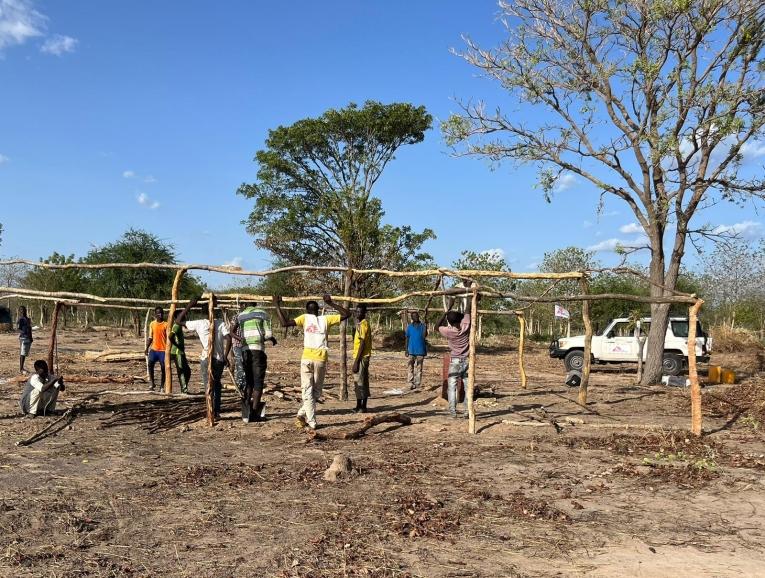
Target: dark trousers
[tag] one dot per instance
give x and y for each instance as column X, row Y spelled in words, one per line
column 255, row 364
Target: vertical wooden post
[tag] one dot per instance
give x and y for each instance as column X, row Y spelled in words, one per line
column 521, row 346
column 343, row 336
column 693, row 375
column 587, row 344
column 471, row 361
column 210, row 358
column 168, row 365
column 480, row 328
column 145, row 339
column 52, row 343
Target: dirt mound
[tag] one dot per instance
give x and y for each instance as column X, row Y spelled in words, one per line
column 742, row 400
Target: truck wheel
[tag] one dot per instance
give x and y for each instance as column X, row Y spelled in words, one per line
column 574, row 360
column 672, row 364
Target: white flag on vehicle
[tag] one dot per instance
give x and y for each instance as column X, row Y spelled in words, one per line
column 561, row 312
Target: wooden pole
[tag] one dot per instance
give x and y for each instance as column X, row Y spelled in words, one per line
column 210, row 357
column 521, row 347
column 693, row 375
column 145, row 339
column 52, row 342
column 471, row 361
column 343, row 336
column 171, row 315
column 584, row 384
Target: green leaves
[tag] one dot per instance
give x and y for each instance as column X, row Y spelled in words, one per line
column 313, row 197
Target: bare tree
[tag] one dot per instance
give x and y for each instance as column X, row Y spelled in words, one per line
column 651, row 101
column 732, row 274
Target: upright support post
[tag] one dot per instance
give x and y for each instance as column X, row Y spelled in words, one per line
column 693, row 375
column 343, row 336
column 471, row 361
column 145, row 339
column 521, row 346
column 210, row 358
column 52, row 343
column 170, row 319
column 587, row 344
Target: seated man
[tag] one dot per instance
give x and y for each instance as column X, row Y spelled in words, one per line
column 41, row 391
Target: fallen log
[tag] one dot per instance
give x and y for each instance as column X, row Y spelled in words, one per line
column 358, row 431
column 113, row 356
column 76, row 378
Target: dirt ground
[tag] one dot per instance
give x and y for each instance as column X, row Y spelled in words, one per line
column 614, row 489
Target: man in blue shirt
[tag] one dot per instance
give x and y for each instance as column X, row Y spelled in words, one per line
column 416, row 349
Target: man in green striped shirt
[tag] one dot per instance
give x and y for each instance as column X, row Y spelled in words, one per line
column 255, row 326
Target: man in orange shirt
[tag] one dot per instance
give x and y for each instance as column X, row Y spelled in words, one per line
column 156, row 341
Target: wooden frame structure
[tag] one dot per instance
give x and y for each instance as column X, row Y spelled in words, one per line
column 475, row 290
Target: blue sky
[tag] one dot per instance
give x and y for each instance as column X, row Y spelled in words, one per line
column 131, row 113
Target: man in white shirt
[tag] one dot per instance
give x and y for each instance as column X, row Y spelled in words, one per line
column 41, row 391
column 202, row 329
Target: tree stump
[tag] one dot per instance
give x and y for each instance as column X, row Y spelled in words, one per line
column 341, row 468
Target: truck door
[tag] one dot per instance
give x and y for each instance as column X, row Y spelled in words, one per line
column 619, row 343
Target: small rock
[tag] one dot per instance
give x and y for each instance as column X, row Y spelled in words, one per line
column 341, row 468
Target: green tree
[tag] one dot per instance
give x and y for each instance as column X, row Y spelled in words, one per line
column 72, row 280
column 136, row 246
column 313, row 197
column 652, row 102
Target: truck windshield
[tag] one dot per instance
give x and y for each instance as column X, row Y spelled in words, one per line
column 680, row 329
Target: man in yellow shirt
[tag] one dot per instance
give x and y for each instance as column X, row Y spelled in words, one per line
column 313, row 364
column 362, row 351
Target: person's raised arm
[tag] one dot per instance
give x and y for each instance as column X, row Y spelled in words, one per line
column 280, row 314
column 442, row 320
column 185, row 312
column 344, row 313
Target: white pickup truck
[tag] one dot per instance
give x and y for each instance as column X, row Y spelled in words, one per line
column 617, row 344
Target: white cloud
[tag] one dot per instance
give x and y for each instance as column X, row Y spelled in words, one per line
column 145, row 201
column 494, row 253
column 4, row 159
column 613, row 244
column 745, row 229
column 630, row 228
column 235, row 262
column 564, row 182
column 753, row 149
column 610, row 214
column 59, row 44
column 19, row 22
column 149, row 179
column 532, row 266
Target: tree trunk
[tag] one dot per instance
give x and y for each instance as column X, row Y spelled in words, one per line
column 663, row 283
column 652, row 371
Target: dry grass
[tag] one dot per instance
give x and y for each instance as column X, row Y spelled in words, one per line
column 727, row 340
